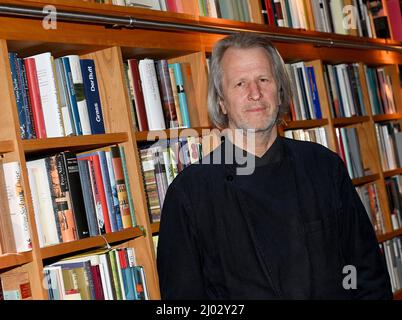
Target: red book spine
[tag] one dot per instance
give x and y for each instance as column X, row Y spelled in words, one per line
column 270, row 13
column 94, row 160
column 138, row 95
column 34, row 95
column 171, row 5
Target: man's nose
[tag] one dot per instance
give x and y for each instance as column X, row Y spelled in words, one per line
column 254, row 92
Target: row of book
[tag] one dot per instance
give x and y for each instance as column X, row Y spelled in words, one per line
column 161, row 162
column 180, row 6
column 389, row 137
column 305, row 101
column 368, row 194
column 394, row 193
column 158, row 93
column 80, row 195
column 350, row 152
column 317, row 135
column 56, row 97
column 379, row 85
column 239, row 10
column 344, row 90
column 15, row 286
column 104, row 274
column 392, row 250
column 350, row 17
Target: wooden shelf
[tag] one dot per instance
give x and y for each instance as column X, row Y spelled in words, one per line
column 6, row 146
column 90, row 243
column 305, row 124
column 9, row 260
column 155, row 227
column 366, row 179
column 391, row 173
column 74, row 143
column 143, row 136
column 387, row 117
column 389, row 236
column 341, row 122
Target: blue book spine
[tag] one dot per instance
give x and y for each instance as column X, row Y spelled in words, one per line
column 108, row 190
column 71, row 95
column 23, row 84
column 91, row 91
column 181, row 94
column 22, row 117
column 314, row 92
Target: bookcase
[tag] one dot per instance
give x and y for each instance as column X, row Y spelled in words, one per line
column 110, row 46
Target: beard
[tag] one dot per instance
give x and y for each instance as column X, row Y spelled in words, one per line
column 267, row 125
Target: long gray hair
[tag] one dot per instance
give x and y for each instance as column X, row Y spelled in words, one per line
column 245, row 40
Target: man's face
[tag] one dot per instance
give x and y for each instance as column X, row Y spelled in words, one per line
column 250, row 95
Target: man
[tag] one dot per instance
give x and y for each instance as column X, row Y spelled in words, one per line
column 293, row 228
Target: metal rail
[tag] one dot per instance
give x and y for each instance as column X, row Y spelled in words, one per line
column 132, row 22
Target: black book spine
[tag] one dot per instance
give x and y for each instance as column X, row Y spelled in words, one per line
column 70, row 166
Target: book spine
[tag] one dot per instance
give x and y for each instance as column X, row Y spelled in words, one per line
column 17, row 206
column 48, row 95
column 89, row 203
column 138, row 95
column 92, row 96
column 12, row 57
column 121, row 187
column 67, row 162
column 181, row 94
column 165, row 89
column 152, row 98
column 36, row 103
column 128, row 186
column 116, row 204
column 76, row 76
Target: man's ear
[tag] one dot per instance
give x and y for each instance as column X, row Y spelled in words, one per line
column 222, row 106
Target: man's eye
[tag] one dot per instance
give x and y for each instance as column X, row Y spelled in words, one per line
column 239, row 84
column 264, row 80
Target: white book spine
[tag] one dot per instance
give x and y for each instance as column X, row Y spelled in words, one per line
column 76, row 75
column 48, row 94
column 152, row 97
column 16, row 203
column 37, row 168
column 35, row 203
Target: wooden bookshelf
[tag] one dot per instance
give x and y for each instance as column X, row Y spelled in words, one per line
column 389, row 236
column 387, row 117
column 305, row 124
column 393, row 172
column 74, row 143
column 110, row 48
column 6, row 146
column 366, row 179
column 9, row 260
column 342, row 122
column 90, row 243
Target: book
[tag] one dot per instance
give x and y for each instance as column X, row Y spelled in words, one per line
column 17, row 206
column 7, row 243
column 91, row 90
column 181, row 94
column 16, row 286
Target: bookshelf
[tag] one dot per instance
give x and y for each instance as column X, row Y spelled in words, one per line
column 110, row 47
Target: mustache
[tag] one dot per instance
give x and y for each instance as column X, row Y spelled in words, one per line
column 256, row 105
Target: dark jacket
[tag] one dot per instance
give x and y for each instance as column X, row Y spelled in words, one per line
column 285, row 232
